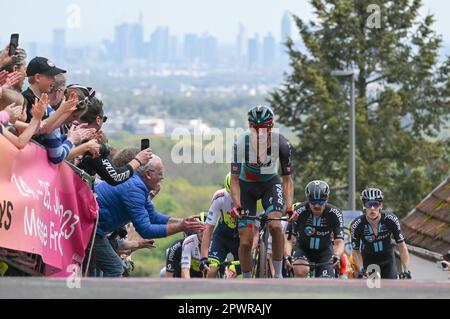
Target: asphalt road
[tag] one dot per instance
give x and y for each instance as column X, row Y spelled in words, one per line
column 220, row 289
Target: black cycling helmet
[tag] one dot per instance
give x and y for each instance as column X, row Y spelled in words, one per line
column 372, row 193
column 317, row 190
column 261, row 115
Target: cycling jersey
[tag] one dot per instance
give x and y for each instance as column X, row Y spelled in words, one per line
column 251, row 169
column 377, row 249
column 190, row 255
column 219, row 212
column 315, row 235
column 224, row 239
column 173, row 260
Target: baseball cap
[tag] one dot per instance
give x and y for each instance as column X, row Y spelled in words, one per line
column 42, row 66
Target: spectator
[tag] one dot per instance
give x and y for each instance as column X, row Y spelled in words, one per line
column 59, row 145
column 125, row 156
column 103, row 165
column 41, row 74
column 130, row 201
column 56, row 94
column 21, row 141
column 12, row 103
column 16, row 69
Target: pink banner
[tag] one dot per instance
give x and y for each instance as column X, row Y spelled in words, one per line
column 45, row 209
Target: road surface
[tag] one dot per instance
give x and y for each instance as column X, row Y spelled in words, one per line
column 220, row 289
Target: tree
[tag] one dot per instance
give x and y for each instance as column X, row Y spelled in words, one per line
column 402, row 100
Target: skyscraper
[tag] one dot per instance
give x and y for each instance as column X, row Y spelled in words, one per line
column 285, row 35
column 191, row 48
column 58, row 47
column 241, row 46
column 160, row 45
column 254, row 52
column 285, row 27
column 208, row 50
column 269, row 49
column 128, row 41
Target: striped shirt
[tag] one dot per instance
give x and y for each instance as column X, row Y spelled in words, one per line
column 57, row 145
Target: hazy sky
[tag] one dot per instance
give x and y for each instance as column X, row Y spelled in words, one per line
column 35, row 19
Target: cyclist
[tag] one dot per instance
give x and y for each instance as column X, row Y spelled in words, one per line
column 179, row 249
column 320, row 233
column 224, row 237
column 254, row 176
column 371, row 237
column 190, row 254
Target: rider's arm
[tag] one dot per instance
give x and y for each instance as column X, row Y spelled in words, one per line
column 338, row 233
column 288, row 189
column 211, row 220
column 286, row 170
column 356, row 235
column 235, row 190
column 404, row 255
column 394, row 225
column 236, row 163
column 186, row 256
column 206, row 240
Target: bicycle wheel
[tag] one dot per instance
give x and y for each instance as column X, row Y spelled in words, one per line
column 262, row 260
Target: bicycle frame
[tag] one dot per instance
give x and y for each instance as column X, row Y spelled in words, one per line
column 260, row 260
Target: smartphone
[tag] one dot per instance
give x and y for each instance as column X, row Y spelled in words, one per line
column 145, row 143
column 13, row 44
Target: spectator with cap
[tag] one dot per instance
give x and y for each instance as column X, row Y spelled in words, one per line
column 41, row 74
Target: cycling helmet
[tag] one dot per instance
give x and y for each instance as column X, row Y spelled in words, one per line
column 372, row 193
column 317, row 190
column 295, row 205
column 227, row 183
column 261, row 116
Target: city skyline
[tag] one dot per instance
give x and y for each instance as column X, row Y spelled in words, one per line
column 220, row 19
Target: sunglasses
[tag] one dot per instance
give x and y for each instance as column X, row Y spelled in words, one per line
column 373, row 203
column 104, row 118
column 320, row 201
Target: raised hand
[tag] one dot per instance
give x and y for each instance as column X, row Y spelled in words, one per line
column 39, row 106
column 12, row 79
column 3, row 77
column 69, row 105
column 144, row 156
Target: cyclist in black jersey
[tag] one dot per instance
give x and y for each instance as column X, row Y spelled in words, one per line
column 320, row 233
column 371, row 238
column 254, row 175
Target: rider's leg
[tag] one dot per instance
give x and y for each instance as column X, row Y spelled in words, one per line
column 277, row 243
column 217, row 253
column 301, row 271
column 245, row 251
column 299, row 258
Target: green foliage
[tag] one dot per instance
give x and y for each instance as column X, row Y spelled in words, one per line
column 402, row 100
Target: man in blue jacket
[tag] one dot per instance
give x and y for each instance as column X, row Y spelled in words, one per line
column 130, row 202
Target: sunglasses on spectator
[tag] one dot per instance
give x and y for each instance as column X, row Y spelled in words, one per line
column 104, row 118
column 319, row 201
column 372, row 203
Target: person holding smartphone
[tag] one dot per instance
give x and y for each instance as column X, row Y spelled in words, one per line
column 96, row 158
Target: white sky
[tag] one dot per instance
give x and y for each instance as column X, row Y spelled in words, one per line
column 35, row 19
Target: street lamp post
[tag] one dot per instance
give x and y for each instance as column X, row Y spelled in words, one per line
column 352, row 161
